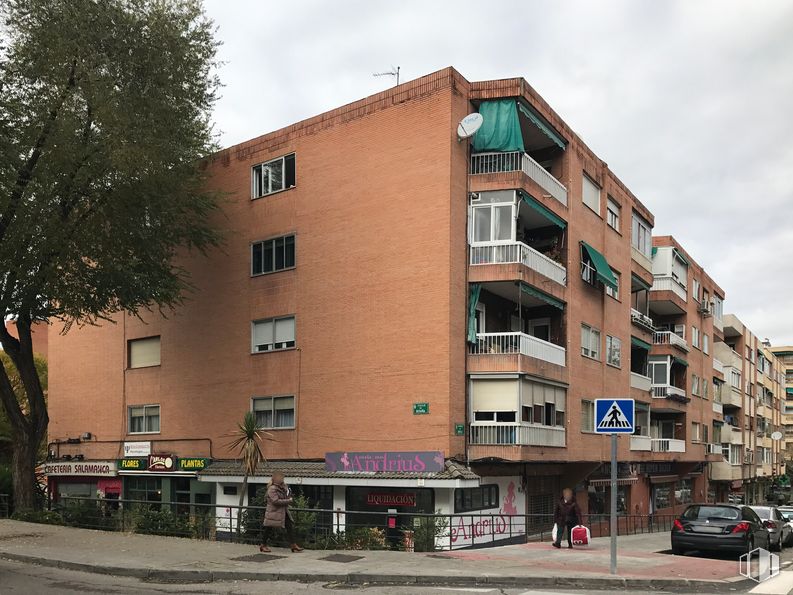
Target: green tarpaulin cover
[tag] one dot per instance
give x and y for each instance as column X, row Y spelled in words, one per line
column 639, row 343
column 602, row 268
column 500, row 129
column 473, row 299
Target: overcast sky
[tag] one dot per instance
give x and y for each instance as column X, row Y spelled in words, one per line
column 689, row 102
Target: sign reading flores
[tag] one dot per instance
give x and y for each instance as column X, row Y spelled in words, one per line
column 614, row 416
column 384, row 462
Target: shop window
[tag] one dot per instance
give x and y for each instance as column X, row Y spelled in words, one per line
column 600, row 499
column 480, row 498
column 683, row 492
column 662, row 496
column 144, row 489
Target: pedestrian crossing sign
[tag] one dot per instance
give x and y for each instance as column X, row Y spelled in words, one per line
column 614, row 416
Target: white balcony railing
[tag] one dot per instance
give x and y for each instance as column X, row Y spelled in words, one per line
column 718, row 366
column 517, row 434
column 668, row 445
column 718, row 407
column 518, row 252
column 713, row 449
column 669, row 338
column 512, row 343
column 667, row 391
column 641, row 382
column 492, row 163
column 641, row 443
column 669, row 284
column 642, row 320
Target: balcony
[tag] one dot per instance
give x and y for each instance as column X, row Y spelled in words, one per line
column 494, row 163
column 643, row 443
column 670, row 284
column 517, row 435
column 713, row 449
column 725, row 471
column 667, row 391
column 667, row 445
column 736, row 436
column 731, row 397
column 718, row 407
column 670, row 338
column 641, row 382
column 518, row 343
column 642, row 320
column 718, row 366
column 519, row 253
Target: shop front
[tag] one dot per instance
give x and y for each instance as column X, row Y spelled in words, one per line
column 86, row 479
column 160, row 478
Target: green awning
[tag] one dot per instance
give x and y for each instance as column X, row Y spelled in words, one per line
column 602, row 267
column 542, row 210
column 473, row 299
column 682, row 362
column 681, row 257
column 782, row 353
column 640, row 344
column 548, row 299
column 540, row 123
column 654, row 251
column 789, row 390
column 640, row 281
column 500, row 130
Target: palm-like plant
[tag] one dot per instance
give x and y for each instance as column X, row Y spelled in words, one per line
column 247, row 441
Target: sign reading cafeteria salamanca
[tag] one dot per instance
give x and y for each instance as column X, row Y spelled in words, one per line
column 92, row 468
column 430, row 461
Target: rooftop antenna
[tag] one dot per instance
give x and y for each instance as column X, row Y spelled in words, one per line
column 393, row 72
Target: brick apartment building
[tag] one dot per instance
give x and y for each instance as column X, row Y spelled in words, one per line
column 784, row 355
column 388, row 288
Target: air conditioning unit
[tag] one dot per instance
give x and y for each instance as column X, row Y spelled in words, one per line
column 705, row 308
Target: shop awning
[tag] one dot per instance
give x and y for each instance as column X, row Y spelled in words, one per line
column 548, row 299
column 677, row 360
column 680, row 257
column 601, row 265
column 621, row 481
column 640, row 344
column 542, row 210
column 789, row 390
column 500, row 130
column 641, row 282
column 540, row 123
column 473, row 300
column 662, row 478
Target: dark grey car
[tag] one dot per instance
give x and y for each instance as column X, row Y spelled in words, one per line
column 776, row 525
column 719, row 527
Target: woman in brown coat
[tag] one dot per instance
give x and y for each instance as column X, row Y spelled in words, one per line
column 276, row 515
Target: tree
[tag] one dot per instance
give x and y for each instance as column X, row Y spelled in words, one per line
column 104, row 120
column 6, row 431
column 247, row 442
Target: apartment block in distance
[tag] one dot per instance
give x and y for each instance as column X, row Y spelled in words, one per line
column 784, row 355
column 422, row 323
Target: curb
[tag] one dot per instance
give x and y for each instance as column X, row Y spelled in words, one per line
column 361, row 578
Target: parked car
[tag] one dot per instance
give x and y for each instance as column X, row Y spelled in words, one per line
column 777, row 525
column 719, row 527
column 787, row 512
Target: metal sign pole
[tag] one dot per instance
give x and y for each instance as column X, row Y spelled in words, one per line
column 613, row 531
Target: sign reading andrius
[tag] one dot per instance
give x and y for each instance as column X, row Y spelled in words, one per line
column 614, row 416
column 422, row 461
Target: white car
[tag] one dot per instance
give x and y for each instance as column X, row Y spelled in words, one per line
column 787, row 512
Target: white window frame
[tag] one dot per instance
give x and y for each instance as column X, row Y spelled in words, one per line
column 140, row 341
column 266, row 165
column 641, row 234
column 492, row 206
column 705, row 344
column 695, row 290
column 695, row 336
column 585, row 179
column 614, row 293
column 273, row 345
column 587, row 416
column 273, row 410
column 611, row 343
column 145, row 418
column 613, row 213
column 590, row 334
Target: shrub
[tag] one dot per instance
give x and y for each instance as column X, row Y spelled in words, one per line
column 251, row 518
column 426, row 531
column 46, row 517
column 89, row 514
column 304, row 521
column 150, row 520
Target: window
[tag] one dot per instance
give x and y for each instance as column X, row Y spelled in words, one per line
column 695, row 384
column 613, row 351
column 142, row 353
column 683, row 492
column 615, row 293
column 145, row 489
column 493, row 223
column 613, row 214
column 590, row 342
column 587, row 416
column 641, row 235
column 273, row 176
column 705, row 344
column 735, row 378
column 695, row 336
column 695, row 432
column 273, row 255
column 273, row 334
column 718, row 307
column 591, row 194
column 479, row 498
column 497, row 416
column 274, row 412
column 704, row 388
column 695, row 287
column 144, row 419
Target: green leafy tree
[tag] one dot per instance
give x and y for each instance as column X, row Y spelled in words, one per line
column 104, row 120
column 247, row 441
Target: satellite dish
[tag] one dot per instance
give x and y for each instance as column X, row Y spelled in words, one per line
column 776, row 436
column 469, row 125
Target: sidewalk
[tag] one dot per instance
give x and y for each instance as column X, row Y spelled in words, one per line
column 534, row 565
